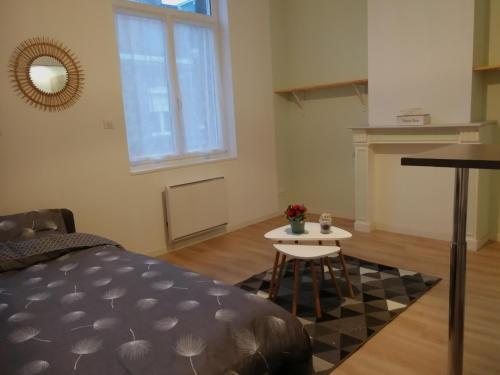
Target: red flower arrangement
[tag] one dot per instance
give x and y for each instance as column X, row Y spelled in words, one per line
column 296, row 212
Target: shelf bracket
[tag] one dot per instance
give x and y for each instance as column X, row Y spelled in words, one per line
column 297, row 99
column 359, row 94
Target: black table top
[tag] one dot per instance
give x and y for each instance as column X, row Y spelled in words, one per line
column 458, row 156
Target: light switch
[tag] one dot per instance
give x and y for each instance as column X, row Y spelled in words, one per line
column 108, row 124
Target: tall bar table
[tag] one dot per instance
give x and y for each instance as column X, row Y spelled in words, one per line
column 462, row 158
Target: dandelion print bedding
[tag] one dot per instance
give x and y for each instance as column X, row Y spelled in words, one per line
column 99, row 309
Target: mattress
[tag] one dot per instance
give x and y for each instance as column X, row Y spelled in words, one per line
column 84, row 305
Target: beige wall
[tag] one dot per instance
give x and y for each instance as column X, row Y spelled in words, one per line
column 68, row 160
column 283, row 137
column 493, row 105
column 326, row 41
column 494, row 35
column 318, row 42
column 480, row 57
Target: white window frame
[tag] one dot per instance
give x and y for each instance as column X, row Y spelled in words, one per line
column 169, row 16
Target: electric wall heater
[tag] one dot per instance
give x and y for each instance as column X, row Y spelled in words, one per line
column 196, row 207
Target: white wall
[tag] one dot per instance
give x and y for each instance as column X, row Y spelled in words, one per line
column 420, row 55
column 67, row 159
column 412, row 200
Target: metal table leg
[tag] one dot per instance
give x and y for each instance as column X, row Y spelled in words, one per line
column 457, row 274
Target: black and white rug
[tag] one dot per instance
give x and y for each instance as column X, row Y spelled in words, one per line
column 381, row 294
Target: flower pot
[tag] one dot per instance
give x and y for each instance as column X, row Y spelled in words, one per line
column 298, row 227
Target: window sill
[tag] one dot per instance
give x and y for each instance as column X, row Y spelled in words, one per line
column 158, row 166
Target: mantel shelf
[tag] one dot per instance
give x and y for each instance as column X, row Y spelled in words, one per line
column 487, row 68
column 478, row 132
column 294, row 91
column 471, row 125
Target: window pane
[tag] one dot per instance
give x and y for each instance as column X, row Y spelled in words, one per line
column 197, row 73
column 191, row 6
column 144, row 71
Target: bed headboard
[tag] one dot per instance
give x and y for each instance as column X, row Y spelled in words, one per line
column 36, row 223
column 69, row 220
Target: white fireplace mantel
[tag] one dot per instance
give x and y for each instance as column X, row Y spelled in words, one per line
column 478, row 132
column 366, row 137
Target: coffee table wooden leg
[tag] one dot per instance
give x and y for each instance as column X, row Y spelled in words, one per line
column 315, row 289
column 280, row 276
column 346, row 275
column 332, row 275
column 296, row 286
column 322, row 265
column 273, row 277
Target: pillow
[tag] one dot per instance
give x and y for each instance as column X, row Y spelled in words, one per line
column 16, row 255
column 31, row 225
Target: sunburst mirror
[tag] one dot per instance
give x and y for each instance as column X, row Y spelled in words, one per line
column 46, row 74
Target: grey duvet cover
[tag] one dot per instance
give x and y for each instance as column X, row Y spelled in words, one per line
column 99, row 309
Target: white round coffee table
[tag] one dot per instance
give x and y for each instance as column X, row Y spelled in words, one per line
column 310, row 253
column 312, row 233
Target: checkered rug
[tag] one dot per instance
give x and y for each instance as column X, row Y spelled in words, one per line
column 381, row 294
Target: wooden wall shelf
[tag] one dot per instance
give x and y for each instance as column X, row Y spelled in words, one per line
column 321, row 86
column 486, row 68
column 294, row 91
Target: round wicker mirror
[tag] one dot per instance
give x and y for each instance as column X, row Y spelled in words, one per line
column 46, row 74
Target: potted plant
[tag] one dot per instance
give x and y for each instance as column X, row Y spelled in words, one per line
column 296, row 215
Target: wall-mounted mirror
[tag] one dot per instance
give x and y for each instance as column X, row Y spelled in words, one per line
column 46, row 74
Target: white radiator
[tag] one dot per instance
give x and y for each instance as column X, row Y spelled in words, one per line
column 196, row 207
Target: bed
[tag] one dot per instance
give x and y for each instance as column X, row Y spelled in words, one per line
column 78, row 303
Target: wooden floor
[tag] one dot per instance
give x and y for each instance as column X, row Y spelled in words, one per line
column 416, row 341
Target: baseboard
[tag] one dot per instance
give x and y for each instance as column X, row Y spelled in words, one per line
column 156, row 253
column 413, row 232
column 243, row 224
column 363, row 226
column 497, row 238
column 207, row 236
column 475, row 244
column 335, row 213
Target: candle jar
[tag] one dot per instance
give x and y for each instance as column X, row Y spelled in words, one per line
column 325, row 222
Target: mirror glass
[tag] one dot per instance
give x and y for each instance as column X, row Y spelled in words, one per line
column 48, row 74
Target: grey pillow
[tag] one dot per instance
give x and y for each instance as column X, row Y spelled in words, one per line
column 12, row 259
column 31, row 224
column 15, row 255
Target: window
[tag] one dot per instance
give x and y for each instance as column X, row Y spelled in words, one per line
column 171, row 83
column 192, row 6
